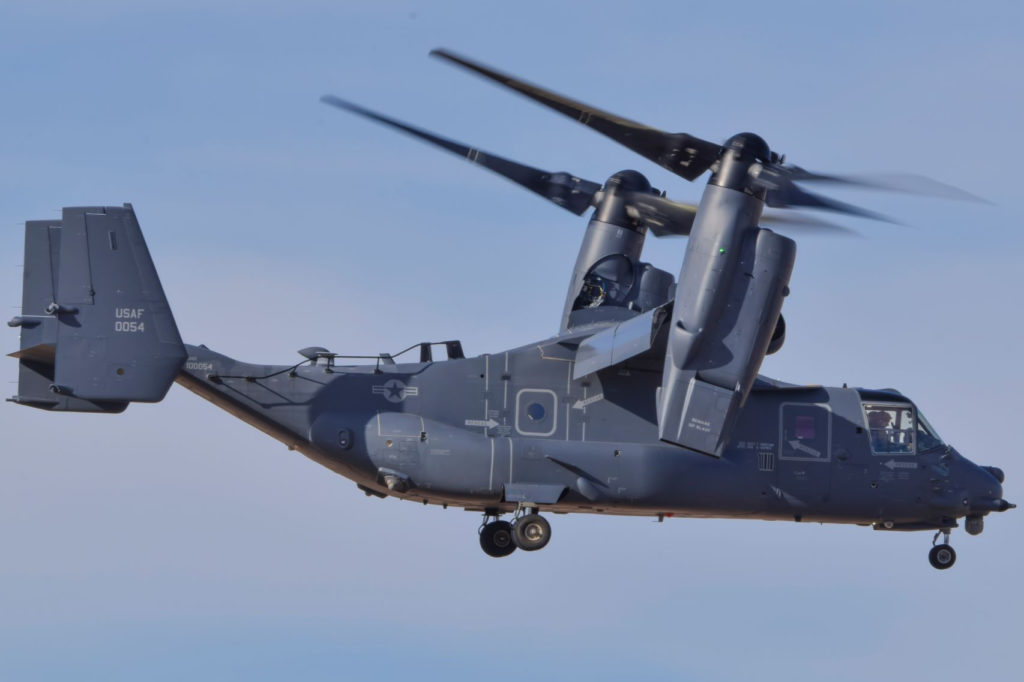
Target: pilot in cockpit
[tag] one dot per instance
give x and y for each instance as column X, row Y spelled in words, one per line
column 881, row 434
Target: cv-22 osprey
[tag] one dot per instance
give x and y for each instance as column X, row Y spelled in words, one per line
column 647, row 401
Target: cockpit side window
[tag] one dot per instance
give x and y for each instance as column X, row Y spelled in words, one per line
column 892, row 428
column 927, row 436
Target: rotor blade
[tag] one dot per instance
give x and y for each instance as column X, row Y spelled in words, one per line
column 571, row 193
column 680, row 153
column 667, row 218
column 663, row 217
column 905, row 183
column 788, row 195
column 811, row 224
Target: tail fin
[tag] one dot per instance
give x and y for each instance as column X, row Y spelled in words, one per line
column 96, row 329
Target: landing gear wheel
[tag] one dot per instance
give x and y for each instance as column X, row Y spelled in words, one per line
column 942, row 556
column 531, row 532
column 496, row 539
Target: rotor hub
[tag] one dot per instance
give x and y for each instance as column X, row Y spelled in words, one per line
column 749, row 147
column 628, row 180
column 739, row 153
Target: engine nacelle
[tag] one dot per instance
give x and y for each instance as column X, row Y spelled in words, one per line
column 726, row 314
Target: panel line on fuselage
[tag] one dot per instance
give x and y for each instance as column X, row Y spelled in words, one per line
column 568, row 392
column 490, row 484
column 583, row 419
column 506, row 379
column 487, row 385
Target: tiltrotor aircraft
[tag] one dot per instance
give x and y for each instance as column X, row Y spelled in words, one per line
column 647, row 401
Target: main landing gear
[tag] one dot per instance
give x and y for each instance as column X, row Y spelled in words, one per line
column 496, row 538
column 529, row 531
column 942, row 556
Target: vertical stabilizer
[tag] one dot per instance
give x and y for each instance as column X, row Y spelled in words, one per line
column 96, row 329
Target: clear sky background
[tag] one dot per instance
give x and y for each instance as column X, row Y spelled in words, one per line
column 174, row 542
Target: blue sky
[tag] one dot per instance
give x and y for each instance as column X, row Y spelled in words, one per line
column 174, row 541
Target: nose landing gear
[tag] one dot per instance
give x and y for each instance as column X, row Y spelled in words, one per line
column 528, row 532
column 942, row 556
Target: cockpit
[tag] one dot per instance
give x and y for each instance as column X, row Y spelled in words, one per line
column 896, row 428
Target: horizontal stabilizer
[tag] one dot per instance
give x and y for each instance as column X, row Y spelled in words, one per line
column 96, row 329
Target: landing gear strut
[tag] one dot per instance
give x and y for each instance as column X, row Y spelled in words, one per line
column 941, row 556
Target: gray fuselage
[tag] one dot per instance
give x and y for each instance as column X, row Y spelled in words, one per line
column 496, row 431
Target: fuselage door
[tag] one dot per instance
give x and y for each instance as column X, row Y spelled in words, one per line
column 805, row 454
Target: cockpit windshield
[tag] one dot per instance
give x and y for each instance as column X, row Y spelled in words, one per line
column 896, row 429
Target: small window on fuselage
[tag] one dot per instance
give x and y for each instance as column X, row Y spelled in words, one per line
column 805, row 432
column 892, row 428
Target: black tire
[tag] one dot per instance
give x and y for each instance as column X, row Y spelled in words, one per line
column 531, row 532
column 496, row 539
column 942, row 557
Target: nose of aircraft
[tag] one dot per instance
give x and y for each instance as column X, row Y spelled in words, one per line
column 985, row 491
